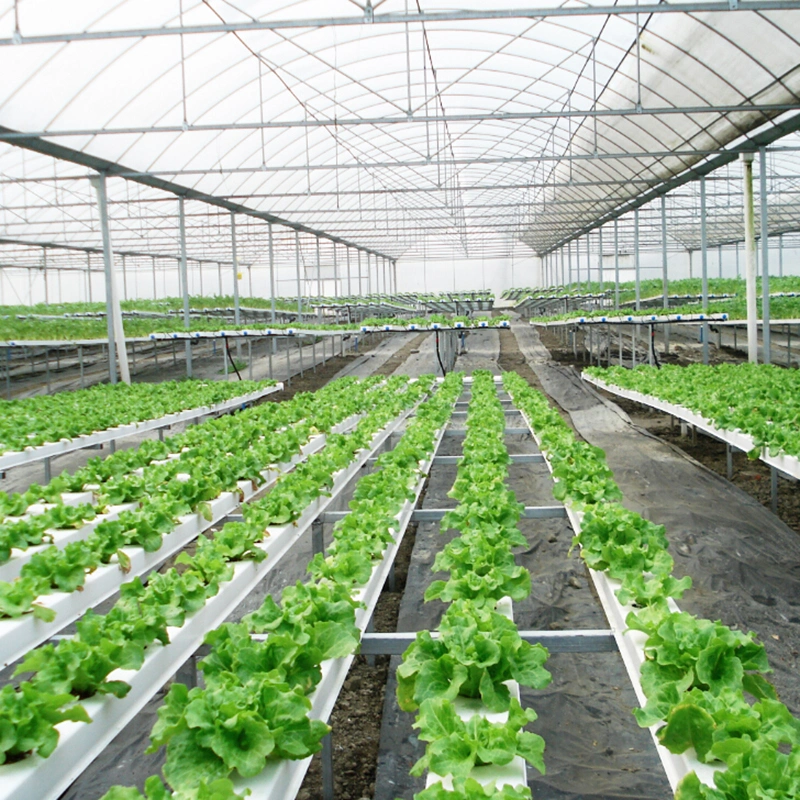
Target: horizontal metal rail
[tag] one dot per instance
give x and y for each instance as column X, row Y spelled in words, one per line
column 436, row 514
column 571, row 641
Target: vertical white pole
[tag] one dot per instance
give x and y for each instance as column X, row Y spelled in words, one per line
column 297, row 267
column 704, row 262
column 664, row 276
column 236, row 315
column 636, row 260
column 750, row 260
column 600, row 259
column 616, row 267
column 335, row 272
column 765, row 331
column 116, row 334
column 184, row 280
column 271, row 272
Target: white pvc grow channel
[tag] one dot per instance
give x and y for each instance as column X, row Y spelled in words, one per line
column 631, row 648
column 50, row 450
column 789, row 465
column 281, row 780
column 47, row 778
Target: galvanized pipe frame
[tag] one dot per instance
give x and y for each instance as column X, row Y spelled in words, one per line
column 402, row 18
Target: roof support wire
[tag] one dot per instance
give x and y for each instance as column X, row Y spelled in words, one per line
column 183, row 70
column 261, row 110
column 427, row 114
column 594, row 92
column 408, row 67
column 638, row 63
column 16, row 37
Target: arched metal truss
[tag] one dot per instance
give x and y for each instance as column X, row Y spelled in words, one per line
column 402, row 128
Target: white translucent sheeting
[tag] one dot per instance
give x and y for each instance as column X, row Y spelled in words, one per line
column 443, row 139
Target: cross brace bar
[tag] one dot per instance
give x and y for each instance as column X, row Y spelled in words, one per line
column 572, row 641
column 461, row 432
column 434, row 514
column 505, row 411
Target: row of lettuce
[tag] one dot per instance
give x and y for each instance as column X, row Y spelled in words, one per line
column 477, row 649
column 33, row 329
column 761, row 400
column 163, row 481
column 174, row 305
column 703, row 680
column 254, row 706
column 688, row 287
column 44, row 419
column 58, row 677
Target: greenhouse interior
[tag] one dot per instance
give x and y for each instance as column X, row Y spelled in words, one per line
column 399, row 400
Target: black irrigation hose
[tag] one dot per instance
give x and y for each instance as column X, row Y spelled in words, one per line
column 230, row 357
column 653, row 346
column 438, row 355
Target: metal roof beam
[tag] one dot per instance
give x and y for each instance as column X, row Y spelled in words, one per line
column 113, row 169
column 426, row 17
column 78, row 248
column 410, row 119
column 692, row 173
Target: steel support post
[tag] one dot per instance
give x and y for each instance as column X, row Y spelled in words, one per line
column 297, row 269
column 636, row 260
column 317, row 538
column 184, row 276
column 729, row 460
column 116, row 334
column 235, row 257
column 300, row 354
column 600, row 259
column 319, row 278
column 569, row 264
column 765, row 316
column 237, row 318
column 750, row 260
column 773, row 489
column 336, row 291
column 271, row 272
column 44, row 275
column 704, row 262
column 780, row 255
column 664, row 271
column 327, row 766
column 616, row 279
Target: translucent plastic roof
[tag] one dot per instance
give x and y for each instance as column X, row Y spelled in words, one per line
column 438, row 129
